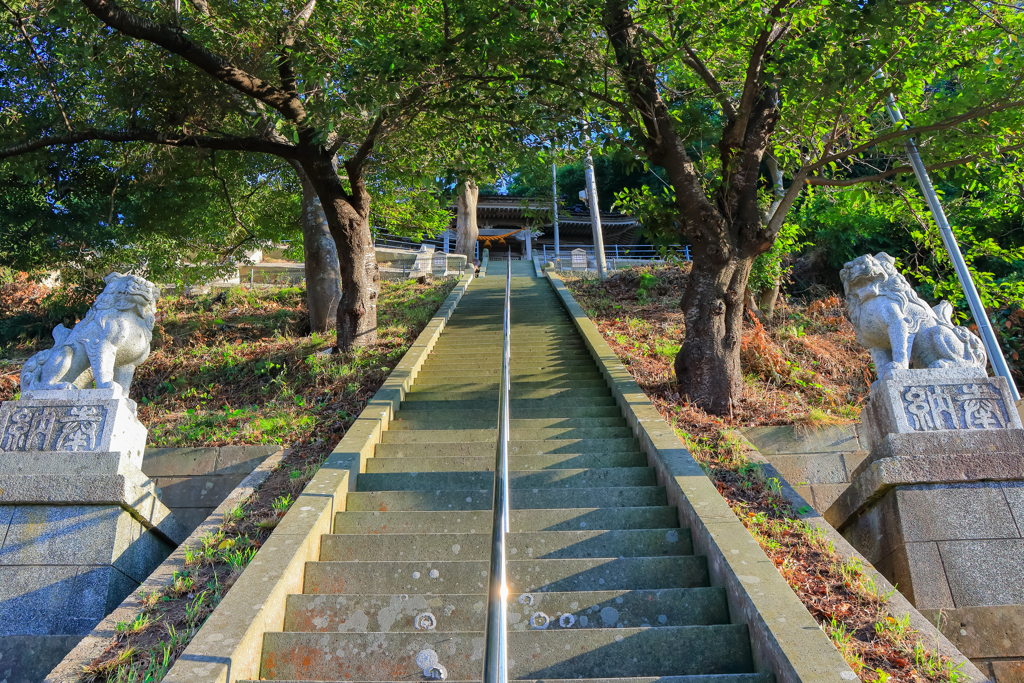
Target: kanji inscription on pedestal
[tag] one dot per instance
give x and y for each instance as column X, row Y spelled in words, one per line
column 53, row 428
column 954, row 406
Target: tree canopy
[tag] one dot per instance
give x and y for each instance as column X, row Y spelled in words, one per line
column 738, row 107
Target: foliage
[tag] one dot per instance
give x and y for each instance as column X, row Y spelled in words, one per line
column 180, row 218
column 987, row 224
column 613, row 174
column 772, row 266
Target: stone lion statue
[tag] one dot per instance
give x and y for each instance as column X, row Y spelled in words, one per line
column 899, row 329
column 106, row 346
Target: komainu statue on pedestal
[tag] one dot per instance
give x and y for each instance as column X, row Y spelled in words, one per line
column 106, row 346
column 899, row 329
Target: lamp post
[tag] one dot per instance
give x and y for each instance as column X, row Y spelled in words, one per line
column 595, row 217
column 554, row 203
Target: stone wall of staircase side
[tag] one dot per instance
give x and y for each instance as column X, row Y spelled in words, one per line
column 785, row 639
column 898, row 605
column 229, row 645
column 97, row 641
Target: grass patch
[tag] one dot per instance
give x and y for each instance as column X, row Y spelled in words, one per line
column 805, row 364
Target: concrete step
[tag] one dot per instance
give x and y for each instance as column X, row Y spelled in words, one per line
column 428, row 394
column 696, row 678
column 562, row 479
column 476, row 342
column 444, row 354
column 522, row 499
column 518, row 385
column 532, row 447
column 437, row 547
column 525, row 576
column 533, row 654
column 491, row 435
column 523, row 521
column 390, row 613
column 516, row 462
column 518, row 372
column 520, row 364
column 531, row 407
column 439, row 374
column 488, row 421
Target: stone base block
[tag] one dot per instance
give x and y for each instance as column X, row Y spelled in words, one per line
column 90, row 420
column 992, row 637
column 27, row 659
column 944, row 544
column 942, row 404
column 49, row 478
column 63, row 568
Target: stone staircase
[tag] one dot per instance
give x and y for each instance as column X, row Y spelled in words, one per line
column 604, row 583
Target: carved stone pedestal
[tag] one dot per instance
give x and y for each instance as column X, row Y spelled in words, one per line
column 938, row 506
column 80, row 524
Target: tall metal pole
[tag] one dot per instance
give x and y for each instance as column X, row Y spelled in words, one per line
column 554, row 203
column 988, row 335
column 595, row 218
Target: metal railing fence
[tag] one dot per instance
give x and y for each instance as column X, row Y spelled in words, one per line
column 616, row 252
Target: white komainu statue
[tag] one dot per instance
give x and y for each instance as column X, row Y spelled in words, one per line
column 898, row 327
column 106, row 346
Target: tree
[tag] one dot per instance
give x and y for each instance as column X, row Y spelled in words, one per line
column 466, row 230
column 704, row 88
column 184, row 217
column 306, row 83
column 320, row 259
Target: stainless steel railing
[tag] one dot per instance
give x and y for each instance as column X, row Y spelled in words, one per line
column 496, row 652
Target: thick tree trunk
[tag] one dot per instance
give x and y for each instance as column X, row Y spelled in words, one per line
column 466, row 230
column 348, row 217
column 323, row 275
column 708, row 363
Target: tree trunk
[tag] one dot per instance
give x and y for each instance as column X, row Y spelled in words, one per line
column 708, row 363
column 348, row 217
column 466, row 230
column 323, row 274
column 768, row 299
column 752, row 306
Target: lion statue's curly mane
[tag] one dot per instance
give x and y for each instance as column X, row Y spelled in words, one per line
column 899, row 329
column 106, row 346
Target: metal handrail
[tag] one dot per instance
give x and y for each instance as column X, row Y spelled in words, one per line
column 496, row 652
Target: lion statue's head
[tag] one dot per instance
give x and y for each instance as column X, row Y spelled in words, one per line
column 128, row 292
column 868, row 276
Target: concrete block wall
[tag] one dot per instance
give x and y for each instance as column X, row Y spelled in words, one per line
column 817, row 463
column 193, row 481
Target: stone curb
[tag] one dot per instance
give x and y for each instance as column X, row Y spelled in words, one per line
column 785, row 639
column 897, row 604
column 98, row 640
column 229, row 646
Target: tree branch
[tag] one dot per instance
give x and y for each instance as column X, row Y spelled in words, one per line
column 752, row 80
column 174, row 40
column 250, row 144
column 898, row 170
column 909, row 131
column 20, row 23
column 695, row 63
column 284, row 64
